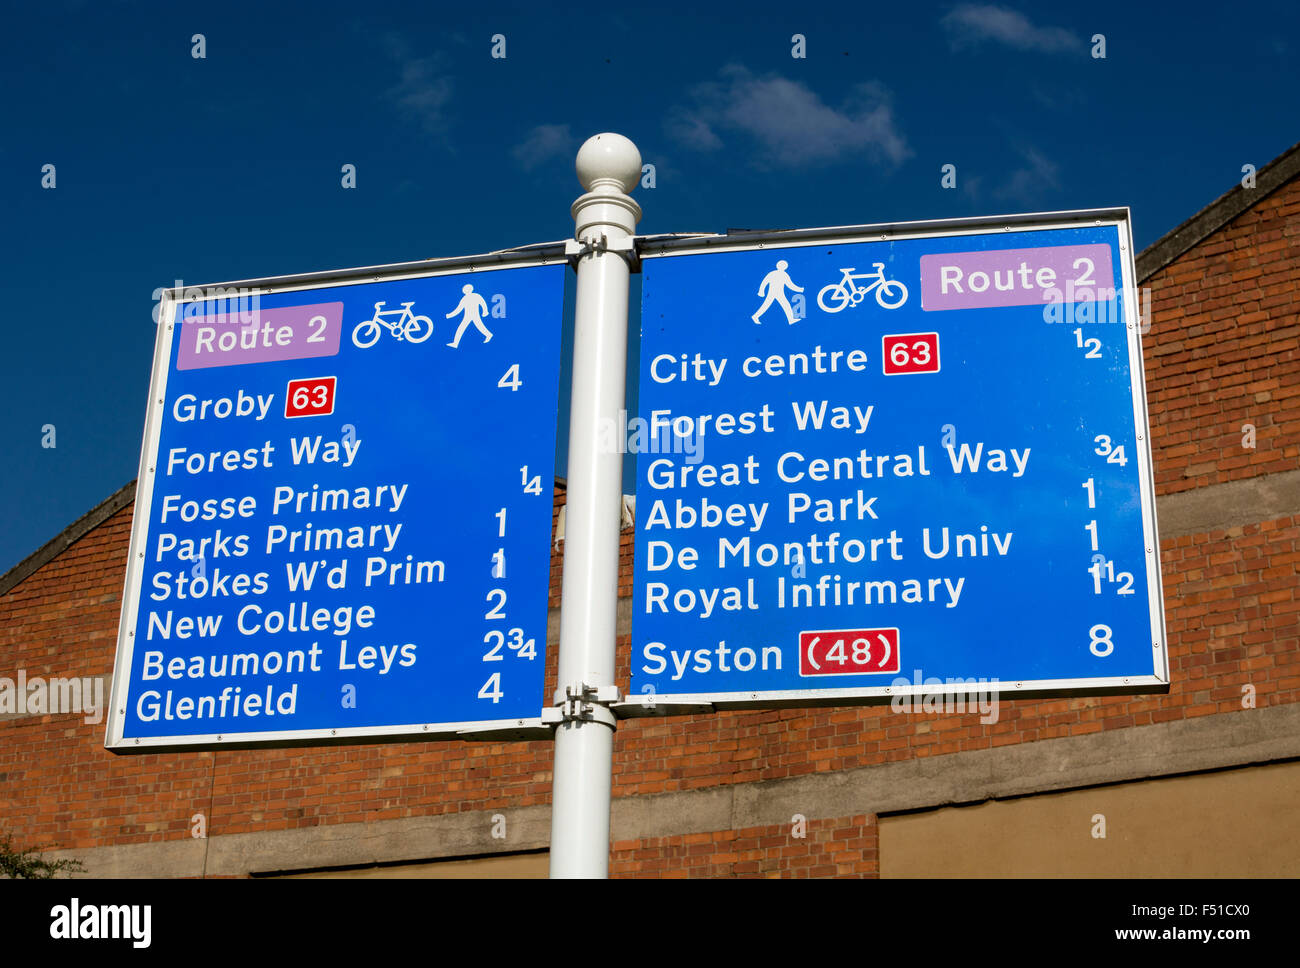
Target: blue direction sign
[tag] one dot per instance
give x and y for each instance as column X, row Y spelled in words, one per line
column 894, row 461
column 343, row 515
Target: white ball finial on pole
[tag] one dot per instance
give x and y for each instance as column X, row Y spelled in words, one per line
column 609, row 158
column 609, row 166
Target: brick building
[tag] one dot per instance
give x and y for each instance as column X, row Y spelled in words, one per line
column 1200, row 781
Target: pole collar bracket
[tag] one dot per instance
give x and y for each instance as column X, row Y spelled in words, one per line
column 598, row 244
column 584, row 703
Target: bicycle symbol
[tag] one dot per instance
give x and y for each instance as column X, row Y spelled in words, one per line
column 840, row 294
column 412, row 328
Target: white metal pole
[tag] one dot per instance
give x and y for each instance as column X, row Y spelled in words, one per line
column 609, row 166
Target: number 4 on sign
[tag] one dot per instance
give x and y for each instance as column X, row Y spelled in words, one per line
column 836, row 653
column 533, row 486
column 492, row 688
column 510, row 379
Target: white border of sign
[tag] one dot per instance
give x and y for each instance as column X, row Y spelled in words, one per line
column 667, row 704
column 497, row 729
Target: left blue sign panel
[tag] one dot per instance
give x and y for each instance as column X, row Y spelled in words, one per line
column 343, row 519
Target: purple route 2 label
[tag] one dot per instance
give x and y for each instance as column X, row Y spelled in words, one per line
column 260, row 336
column 1016, row 277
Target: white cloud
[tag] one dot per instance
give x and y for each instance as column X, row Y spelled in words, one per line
column 692, row 131
column 971, row 24
column 544, row 142
column 786, row 123
column 423, row 90
column 1028, row 183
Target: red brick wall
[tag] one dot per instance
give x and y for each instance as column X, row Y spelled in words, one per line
column 846, row 847
column 1218, row 355
column 1222, row 351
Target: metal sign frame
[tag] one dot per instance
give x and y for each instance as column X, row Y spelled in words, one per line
column 661, row 704
column 551, row 253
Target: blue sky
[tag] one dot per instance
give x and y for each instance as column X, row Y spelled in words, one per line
column 228, row 167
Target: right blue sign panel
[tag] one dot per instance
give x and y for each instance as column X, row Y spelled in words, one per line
column 870, row 465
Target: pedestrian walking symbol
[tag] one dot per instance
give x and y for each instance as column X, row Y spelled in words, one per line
column 773, row 286
column 473, row 306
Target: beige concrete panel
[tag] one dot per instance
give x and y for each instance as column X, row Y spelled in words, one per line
column 1235, row 823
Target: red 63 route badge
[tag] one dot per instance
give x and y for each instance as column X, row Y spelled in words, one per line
column 309, row 398
column 910, row 353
